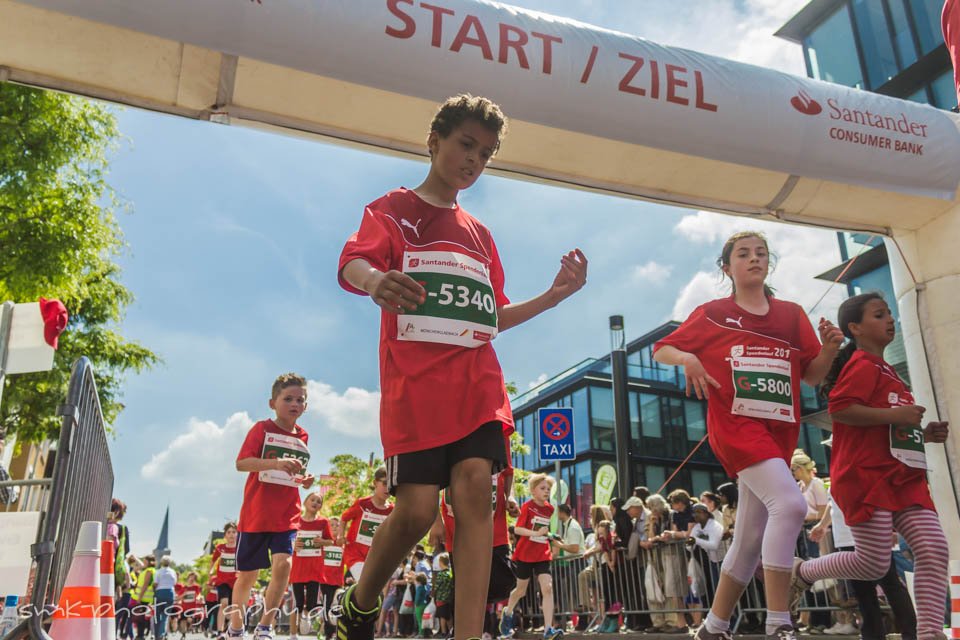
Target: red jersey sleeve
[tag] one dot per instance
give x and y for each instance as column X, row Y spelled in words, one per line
column 855, row 385
column 374, row 242
column 497, row 277
column 525, row 519
column 352, row 513
column 807, row 340
column 215, row 556
column 689, row 336
column 252, row 444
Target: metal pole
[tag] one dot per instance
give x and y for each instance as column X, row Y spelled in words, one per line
column 621, row 407
column 6, row 323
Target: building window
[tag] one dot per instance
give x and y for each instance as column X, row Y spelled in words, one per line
column 926, row 17
column 654, row 476
column 944, row 91
column 601, row 419
column 902, row 35
column 583, row 491
column 875, row 41
column 700, row 482
column 832, row 53
column 696, row 425
column 650, row 415
column 581, row 420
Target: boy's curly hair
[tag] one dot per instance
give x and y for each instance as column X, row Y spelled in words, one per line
column 287, row 380
column 455, row 110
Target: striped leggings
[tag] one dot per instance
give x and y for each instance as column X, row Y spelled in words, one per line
column 871, row 559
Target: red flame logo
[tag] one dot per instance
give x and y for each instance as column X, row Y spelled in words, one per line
column 803, row 103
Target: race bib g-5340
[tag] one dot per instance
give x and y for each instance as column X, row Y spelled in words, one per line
column 460, row 307
column 762, row 388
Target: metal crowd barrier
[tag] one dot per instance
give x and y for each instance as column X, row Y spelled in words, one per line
column 81, row 490
column 671, row 584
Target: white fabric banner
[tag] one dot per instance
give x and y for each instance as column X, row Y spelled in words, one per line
column 569, row 75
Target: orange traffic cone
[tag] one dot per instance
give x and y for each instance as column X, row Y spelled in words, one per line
column 106, row 613
column 75, row 617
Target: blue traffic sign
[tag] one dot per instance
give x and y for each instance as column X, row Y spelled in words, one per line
column 556, row 434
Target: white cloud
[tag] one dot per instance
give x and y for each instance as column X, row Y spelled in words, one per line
column 201, row 457
column 650, row 272
column 355, row 412
column 701, row 288
column 539, row 381
column 801, row 254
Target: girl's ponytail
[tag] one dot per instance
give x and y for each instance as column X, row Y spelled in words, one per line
column 851, row 311
column 839, row 362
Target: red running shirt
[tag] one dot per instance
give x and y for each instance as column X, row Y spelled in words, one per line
column 227, row 566
column 365, row 517
column 864, row 475
column 536, row 548
column 432, row 394
column 308, row 562
column 268, row 507
column 190, row 597
column 759, row 361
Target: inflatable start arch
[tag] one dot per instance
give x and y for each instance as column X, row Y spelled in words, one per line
column 589, row 108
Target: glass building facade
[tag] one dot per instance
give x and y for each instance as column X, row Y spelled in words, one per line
column 665, row 425
column 893, row 47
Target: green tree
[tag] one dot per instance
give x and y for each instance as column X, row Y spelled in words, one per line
column 59, row 238
column 349, row 478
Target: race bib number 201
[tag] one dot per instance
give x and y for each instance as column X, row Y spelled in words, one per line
column 460, row 308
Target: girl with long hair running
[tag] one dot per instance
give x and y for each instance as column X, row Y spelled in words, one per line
column 878, row 467
column 748, row 353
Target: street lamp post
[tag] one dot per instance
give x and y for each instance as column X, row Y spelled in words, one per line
column 621, row 407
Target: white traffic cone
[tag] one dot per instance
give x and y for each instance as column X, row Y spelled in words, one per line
column 76, row 615
column 106, row 612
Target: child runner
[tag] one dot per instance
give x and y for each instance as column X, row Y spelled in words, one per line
column 532, row 555
column 878, row 466
column 360, row 522
column 748, row 353
column 191, row 604
column 224, row 560
column 331, row 577
column 308, row 561
column 435, row 272
column 443, row 594
column 274, row 455
column 212, row 603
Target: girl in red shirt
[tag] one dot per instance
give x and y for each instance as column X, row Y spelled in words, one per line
column 878, row 466
column 748, row 354
column 308, row 561
column 191, row 604
column 532, row 555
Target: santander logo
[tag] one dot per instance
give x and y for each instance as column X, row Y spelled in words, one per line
column 803, row 103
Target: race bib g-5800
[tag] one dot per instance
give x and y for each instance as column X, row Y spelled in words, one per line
column 460, row 308
column 762, row 388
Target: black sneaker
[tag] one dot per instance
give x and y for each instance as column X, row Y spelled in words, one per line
column 352, row 623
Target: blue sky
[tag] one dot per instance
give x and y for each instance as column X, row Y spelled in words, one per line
column 234, row 237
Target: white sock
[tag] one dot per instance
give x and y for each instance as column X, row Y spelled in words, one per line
column 776, row 619
column 715, row 624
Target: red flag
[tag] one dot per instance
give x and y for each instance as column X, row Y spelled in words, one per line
column 55, row 318
column 950, row 24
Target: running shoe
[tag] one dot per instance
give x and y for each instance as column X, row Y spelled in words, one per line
column 352, row 623
column 506, row 624
column 797, row 588
column 703, row 634
column 263, row 632
column 783, row 632
column 552, row 634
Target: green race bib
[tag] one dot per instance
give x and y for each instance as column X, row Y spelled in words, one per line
column 460, row 308
column 762, row 388
column 906, row 445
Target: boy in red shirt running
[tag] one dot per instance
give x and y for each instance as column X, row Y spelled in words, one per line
column 533, row 555
column 224, row 561
column 360, row 522
column 435, row 272
column 274, row 455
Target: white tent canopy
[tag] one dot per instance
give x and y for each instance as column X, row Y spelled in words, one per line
column 589, row 108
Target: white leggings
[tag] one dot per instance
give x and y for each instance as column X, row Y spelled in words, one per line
column 770, row 513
